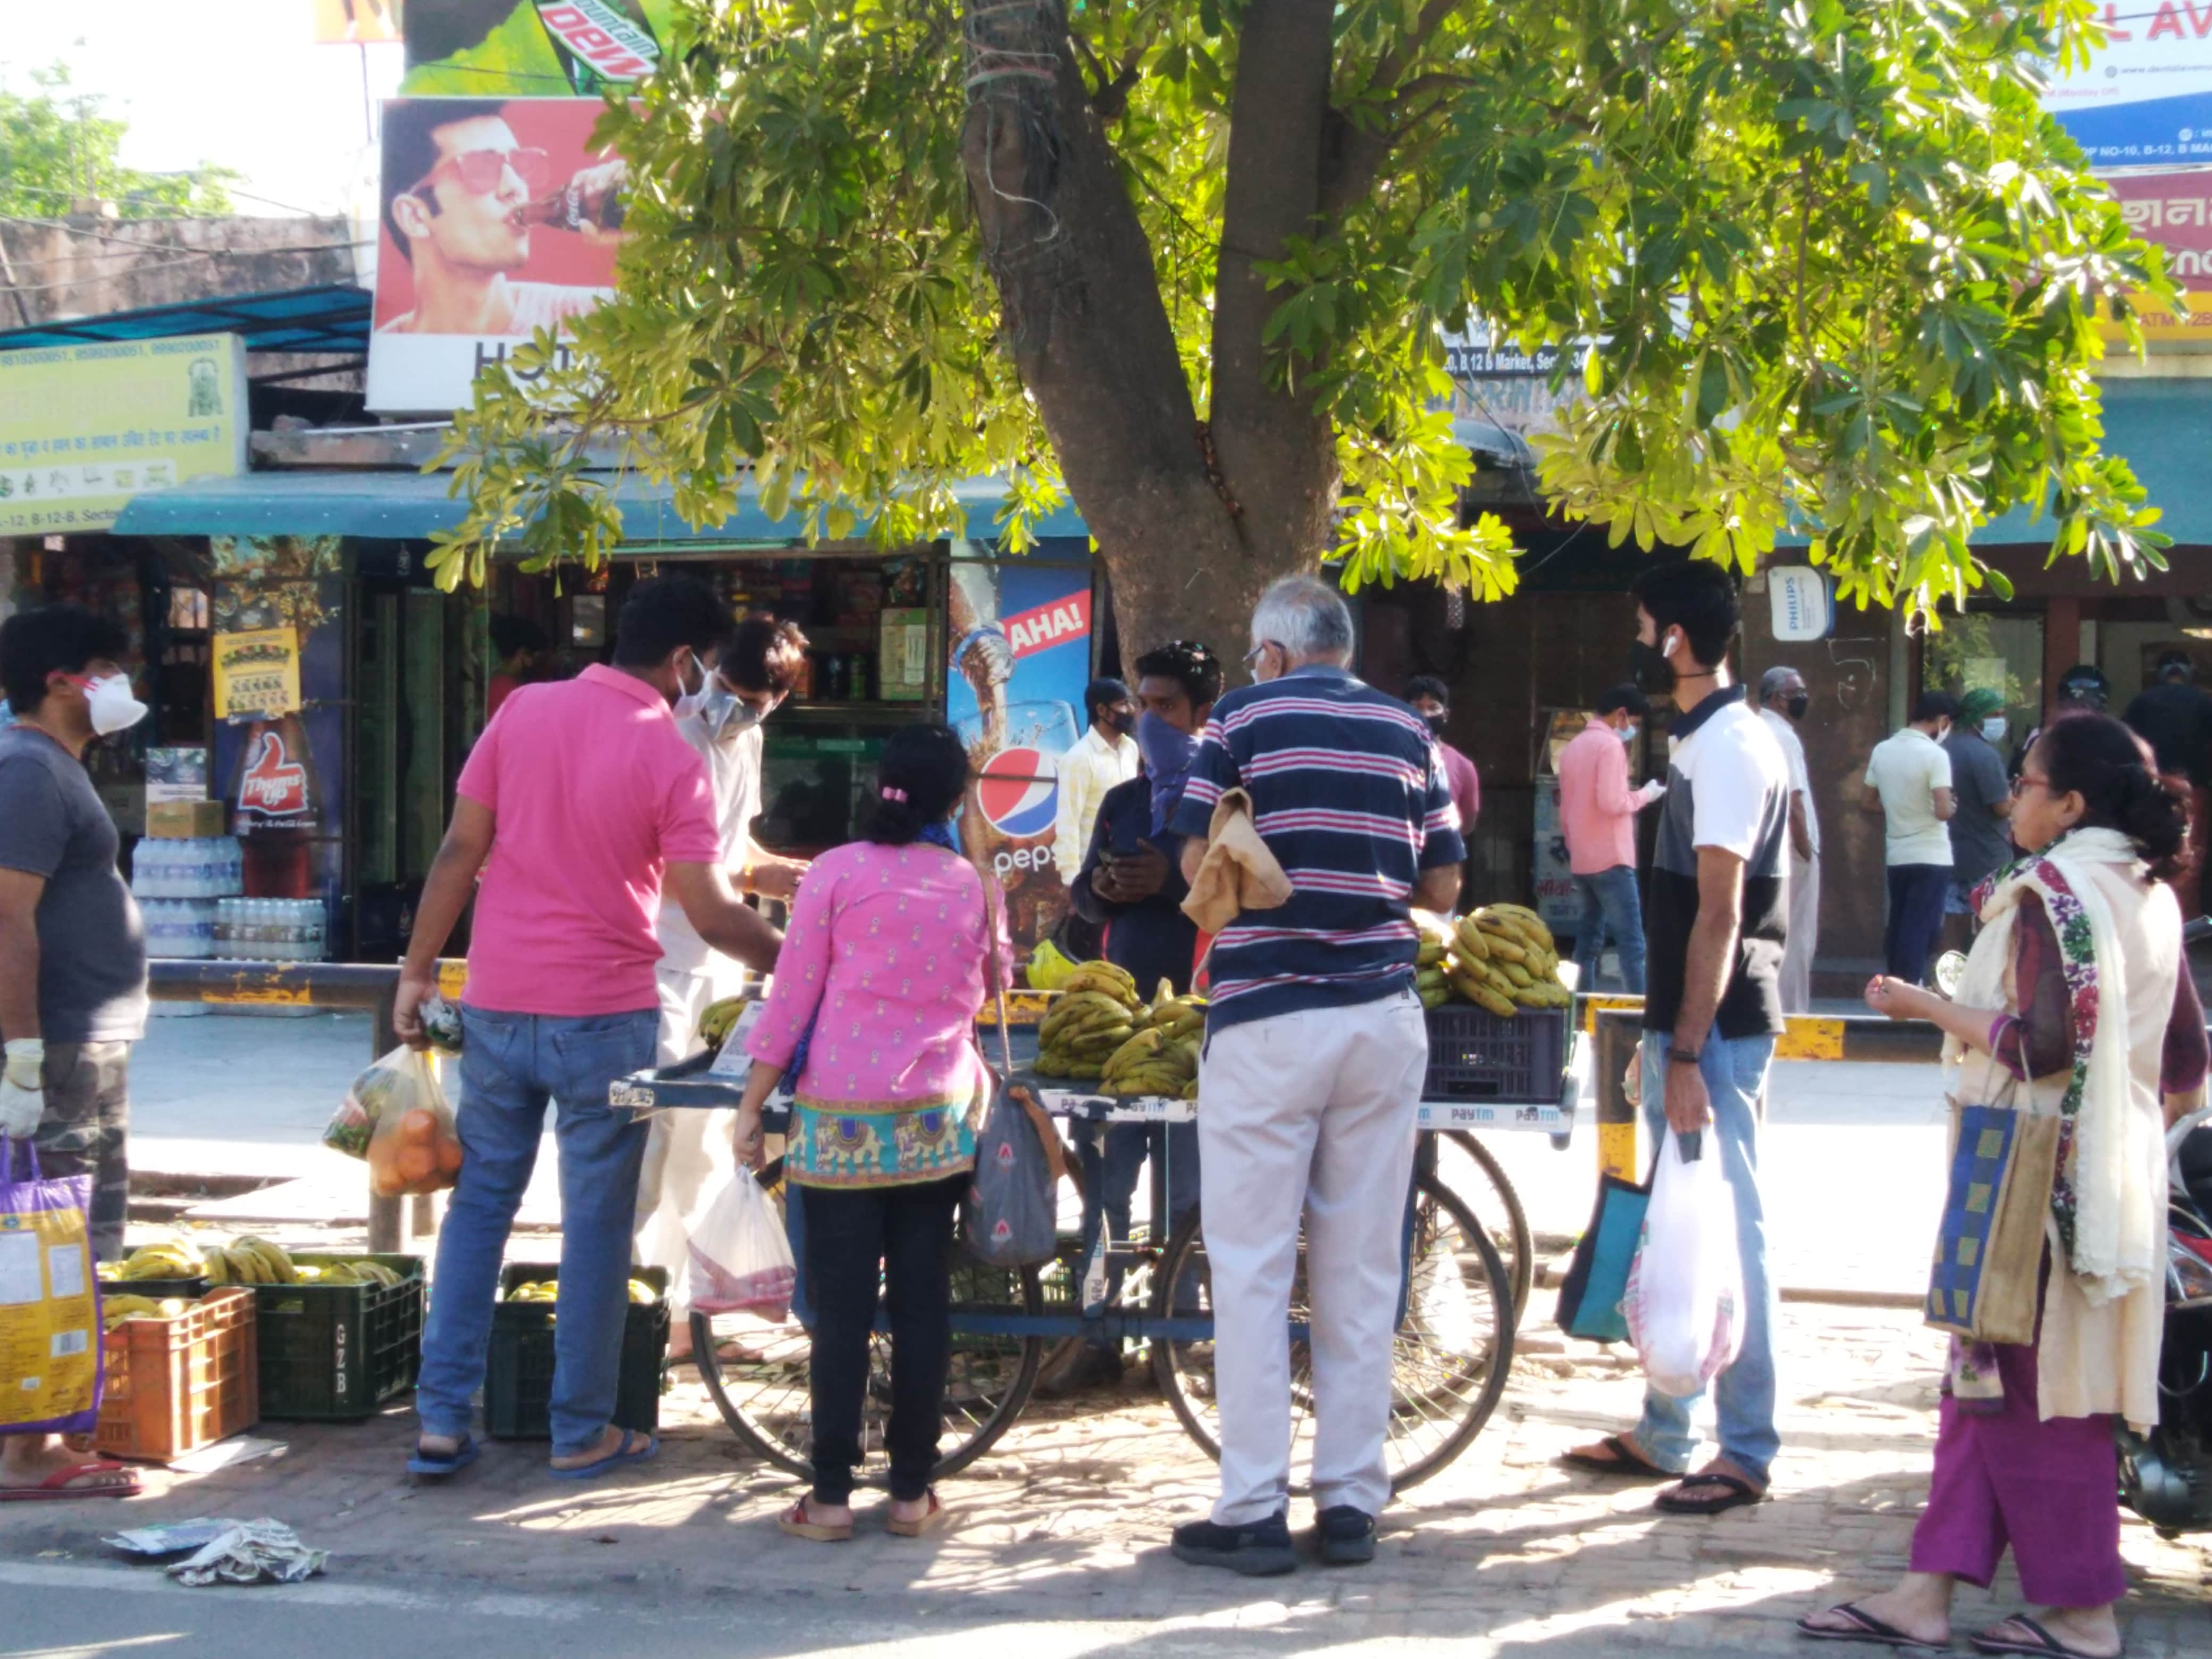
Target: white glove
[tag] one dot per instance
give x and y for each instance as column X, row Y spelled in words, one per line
column 22, row 1088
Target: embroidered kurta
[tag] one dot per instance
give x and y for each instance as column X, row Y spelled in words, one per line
column 888, row 959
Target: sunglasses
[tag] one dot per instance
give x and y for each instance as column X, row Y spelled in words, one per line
column 480, row 170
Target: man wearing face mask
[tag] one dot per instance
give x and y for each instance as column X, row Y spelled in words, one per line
column 580, row 802
column 719, row 714
column 1431, row 699
column 1105, row 756
column 1980, row 843
column 1908, row 782
column 1132, row 886
column 72, row 956
column 1782, row 702
column 1597, row 816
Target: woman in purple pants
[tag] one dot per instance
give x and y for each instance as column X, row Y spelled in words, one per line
column 2076, row 1002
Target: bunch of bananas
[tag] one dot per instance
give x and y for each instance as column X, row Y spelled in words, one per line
column 251, row 1260
column 1431, row 978
column 114, row 1310
column 1095, row 1013
column 1160, row 1056
column 163, row 1261
column 549, row 1289
column 716, row 1024
column 346, row 1273
column 1502, row 957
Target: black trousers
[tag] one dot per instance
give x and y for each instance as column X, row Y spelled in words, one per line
column 1917, row 892
column 898, row 1241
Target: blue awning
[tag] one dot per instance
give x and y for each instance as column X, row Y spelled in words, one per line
column 409, row 505
column 2164, row 428
column 331, row 318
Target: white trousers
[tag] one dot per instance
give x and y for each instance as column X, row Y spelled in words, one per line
column 687, row 1151
column 1797, row 982
column 1309, row 1112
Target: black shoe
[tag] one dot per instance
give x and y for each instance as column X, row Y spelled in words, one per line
column 1262, row 1550
column 1343, row 1536
column 1091, row 1368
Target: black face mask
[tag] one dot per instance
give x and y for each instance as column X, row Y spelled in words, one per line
column 1436, row 722
column 1120, row 722
column 1649, row 667
column 1797, row 706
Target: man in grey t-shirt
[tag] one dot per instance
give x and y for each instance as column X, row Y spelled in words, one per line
column 72, row 954
column 1981, row 841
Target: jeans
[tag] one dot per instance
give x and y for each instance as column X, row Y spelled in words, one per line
column 1734, row 1071
column 1916, row 897
column 510, row 1066
column 861, row 1241
column 1612, row 905
column 1113, row 1157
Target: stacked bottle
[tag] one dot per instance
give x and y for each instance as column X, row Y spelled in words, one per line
column 178, row 884
column 271, row 930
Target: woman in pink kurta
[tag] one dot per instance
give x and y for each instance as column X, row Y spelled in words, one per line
column 875, row 996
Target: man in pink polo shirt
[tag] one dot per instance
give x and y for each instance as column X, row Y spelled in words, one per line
column 1597, row 814
column 580, row 799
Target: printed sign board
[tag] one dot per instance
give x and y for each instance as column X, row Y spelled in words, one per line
column 85, row 428
column 2173, row 208
column 533, row 48
column 257, row 674
column 498, row 219
column 2145, row 98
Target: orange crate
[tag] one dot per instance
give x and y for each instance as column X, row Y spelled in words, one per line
column 174, row 1385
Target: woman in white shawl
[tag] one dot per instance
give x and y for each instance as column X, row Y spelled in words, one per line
column 2076, row 1001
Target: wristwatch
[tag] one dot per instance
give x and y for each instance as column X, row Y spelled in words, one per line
column 1683, row 1056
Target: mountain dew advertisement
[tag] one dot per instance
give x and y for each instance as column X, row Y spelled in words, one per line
column 531, row 48
column 1017, row 635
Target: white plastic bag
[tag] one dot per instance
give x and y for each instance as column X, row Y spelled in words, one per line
column 1684, row 1304
column 740, row 1259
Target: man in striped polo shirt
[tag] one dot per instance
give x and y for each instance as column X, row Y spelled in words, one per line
column 1315, row 1052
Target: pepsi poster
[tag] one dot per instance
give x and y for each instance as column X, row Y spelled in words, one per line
column 1018, row 643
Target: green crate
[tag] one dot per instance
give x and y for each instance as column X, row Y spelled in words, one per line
column 338, row 1352
column 519, row 1377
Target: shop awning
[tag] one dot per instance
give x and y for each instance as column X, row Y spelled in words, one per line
column 331, row 318
column 409, row 505
column 2164, row 428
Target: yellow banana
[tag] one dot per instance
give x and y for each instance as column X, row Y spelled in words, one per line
column 1470, row 939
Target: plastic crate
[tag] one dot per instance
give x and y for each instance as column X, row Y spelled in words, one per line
column 338, row 1352
column 177, row 1384
column 519, row 1377
column 1475, row 1054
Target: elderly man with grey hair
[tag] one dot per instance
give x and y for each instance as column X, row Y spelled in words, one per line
column 1783, row 701
column 1315, row 1048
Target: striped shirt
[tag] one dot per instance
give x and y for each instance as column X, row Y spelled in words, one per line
column 1350, row 797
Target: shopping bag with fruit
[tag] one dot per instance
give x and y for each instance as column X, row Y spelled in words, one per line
column 396, row 1116
column 49, row 1299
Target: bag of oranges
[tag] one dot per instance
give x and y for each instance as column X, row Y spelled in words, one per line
column 396, row 1116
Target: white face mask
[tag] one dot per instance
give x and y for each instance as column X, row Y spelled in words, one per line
column 1993, row 728
column 112, row 705
column 1628, row 734
column 688, row 703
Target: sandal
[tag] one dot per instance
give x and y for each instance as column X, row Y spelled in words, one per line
column 927, row 1522
column 2043, row 1645
column 1736, row 1493
column 794, row 1521
column 1867, row 1628
column 628, row 1452
column 1626, row 1462
column 115, row 1481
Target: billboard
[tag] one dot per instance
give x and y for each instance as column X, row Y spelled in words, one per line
column 533, row 48
column 2173, row 209
column 1018, row 655
column 85, row 428
column 497, row 219
column 2145, row 98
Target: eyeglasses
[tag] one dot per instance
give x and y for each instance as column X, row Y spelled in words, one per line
column 480, row 170
column 1253, row 656
column 2021, row 782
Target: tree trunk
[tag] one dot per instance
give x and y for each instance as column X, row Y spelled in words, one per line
column 1089, row 334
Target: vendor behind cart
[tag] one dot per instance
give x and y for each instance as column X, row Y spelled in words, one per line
column 1131, row 885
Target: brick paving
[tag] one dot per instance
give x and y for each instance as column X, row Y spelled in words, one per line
column 1067, row 1521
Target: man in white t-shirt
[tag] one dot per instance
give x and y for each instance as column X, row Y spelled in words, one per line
column 686, row 1151
column 1908, row 782
column 1783, row 701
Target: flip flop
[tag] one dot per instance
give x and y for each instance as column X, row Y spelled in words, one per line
column 2045, row 1646
column 1626, row 1462
column 55, row 1486
column 1869, row 1629
column 1739, row 1494
column 794, row 1521
column 628, row 1452
column 432, row 1466
column 927, row 1522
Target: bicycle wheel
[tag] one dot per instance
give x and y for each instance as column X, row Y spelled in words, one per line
column 1490, row 1195
column 1452, row 1349
column 761, row 1391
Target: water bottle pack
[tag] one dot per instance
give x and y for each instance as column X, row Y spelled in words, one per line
column 270, row 930
column 178, row 926
column 206, row 867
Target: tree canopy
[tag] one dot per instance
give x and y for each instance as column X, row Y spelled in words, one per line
column 57, row 151
column 1823, row 268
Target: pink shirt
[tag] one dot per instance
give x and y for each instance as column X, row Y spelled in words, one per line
column 1466, row 785
column 887, row 943
column 595, row 792
column 1597, row 808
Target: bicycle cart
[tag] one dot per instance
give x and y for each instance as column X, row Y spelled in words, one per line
column 1470, row 1265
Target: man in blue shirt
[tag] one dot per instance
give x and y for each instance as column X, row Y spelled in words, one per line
column 1311, row 1079
column 1132, row 885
